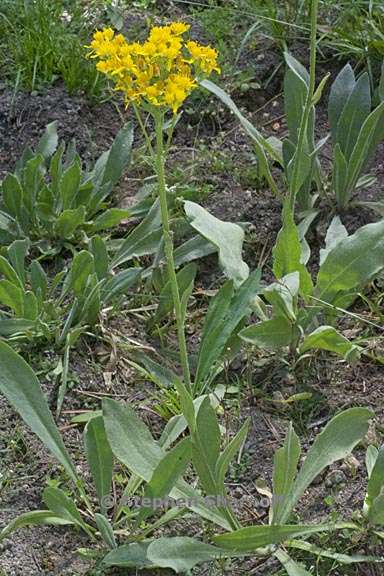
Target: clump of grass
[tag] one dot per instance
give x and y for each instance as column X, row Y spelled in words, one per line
column 42, row 42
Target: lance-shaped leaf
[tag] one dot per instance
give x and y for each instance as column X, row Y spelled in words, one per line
column 273, row 333
column 144, row 239
column 328, row 338
column 185, row 281
column 341, row 89
column 99, row 457
column 49, row 140
column 370, row 459
column 111, row 164
column 34, row 518
column 69, row 221
column 335, row 442
column 320, row 552
column 22, row 389
column 206, row 446
column 282, row 295
column 106, row 530
column 335, row 234
column 291, row 567
column 133, row 555
column 375, row 486
column 371, row 134
column 254, row 537
column 166, row 474
column 133, row 445
column 223, row 319
column 284, row 472
column 355, row 112
column 182, row 553
column 12, row 296
column 226, row 236
column 353, row 263
column 228, row 454
column 287, row 252
column 61, row 505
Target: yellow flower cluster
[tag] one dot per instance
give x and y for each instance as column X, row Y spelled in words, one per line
column 162, row 71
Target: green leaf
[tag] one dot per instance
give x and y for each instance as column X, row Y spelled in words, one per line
column 108, row 219
column 106, row 530
column 160, row 374
column 273, row 333
column 370, row 459
column 17, row 253
column 342, row 558
column 38, row 279
column 59, row 503
column 291, row 567
column 30, row 306
column 320, row 89
column 353, row 263
column 335, row 442
column 371, row 134
column 98, row 248
column 99, row 457
column 12, row 194
column 295, row 94
column 34, row 518
column 253, row 537
column 340, row 178
column 376, row 481
column 182, row 553
column 11, row 327
column 69, row 185
column 12, row 296
column 22, row 389
column 376, row 512
column 287, row 252
column 335, row 234
column 68, row 222
column 9, row 273
column 341, row 90
column 144, row 239
column 120, row 284
column 206, row 446
column 193, row 249
column 226, row 236
column 82, row 268
column 132, row 555
column 223, row 319
column 283, row 295
column 229, row 453
column 328, row 338
column 353, row 116
column 119, row 155
column 284, row 472
column 133, row 445
column 49, row 141
column 185, row 281
column 167, row 473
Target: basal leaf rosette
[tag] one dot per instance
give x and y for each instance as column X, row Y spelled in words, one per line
column 160, row 72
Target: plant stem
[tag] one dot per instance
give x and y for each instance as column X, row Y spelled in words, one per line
column 307, row 108
column 168, row 248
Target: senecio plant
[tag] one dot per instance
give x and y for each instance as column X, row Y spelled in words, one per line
column 156, row 77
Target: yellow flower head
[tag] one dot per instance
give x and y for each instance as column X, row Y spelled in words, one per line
column 161, row 72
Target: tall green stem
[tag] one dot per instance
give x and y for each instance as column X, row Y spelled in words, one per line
column 168, row 247
column 307, row 108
